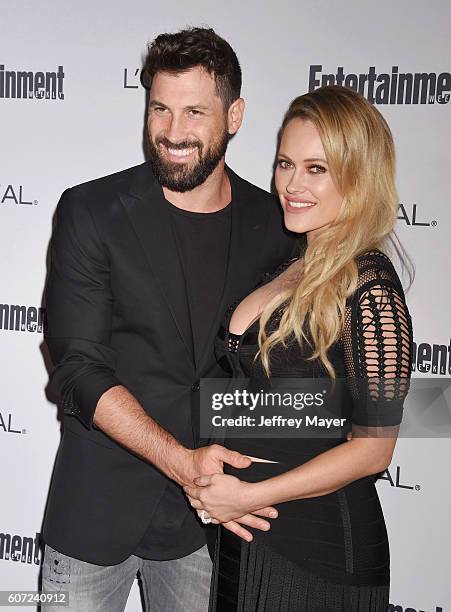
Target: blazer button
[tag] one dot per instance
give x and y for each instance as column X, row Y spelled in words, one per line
column 195, row 386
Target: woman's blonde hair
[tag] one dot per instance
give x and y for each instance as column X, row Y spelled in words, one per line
column 360, row 153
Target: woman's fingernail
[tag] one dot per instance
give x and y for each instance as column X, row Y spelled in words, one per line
column 273, row 514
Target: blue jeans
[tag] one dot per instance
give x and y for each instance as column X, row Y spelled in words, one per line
column 179, row 585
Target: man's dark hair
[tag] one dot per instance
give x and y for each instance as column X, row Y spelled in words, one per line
column 195, row 47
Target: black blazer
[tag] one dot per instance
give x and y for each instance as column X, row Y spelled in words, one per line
column 118, row 314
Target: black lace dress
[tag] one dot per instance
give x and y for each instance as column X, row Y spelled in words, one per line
column 328, row 553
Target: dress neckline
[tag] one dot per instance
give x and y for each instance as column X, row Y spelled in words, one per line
column 233, row 340
column 248, row 328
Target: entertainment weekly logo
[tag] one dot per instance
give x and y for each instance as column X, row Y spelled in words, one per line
column 29, row 85
column 14, row 194
column 19, row 318
column 387, row 88
column 20, row 549
column 429, row 358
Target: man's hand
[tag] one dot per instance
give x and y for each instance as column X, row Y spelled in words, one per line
column 189, row 464
column 121, row 417
column 250, row 520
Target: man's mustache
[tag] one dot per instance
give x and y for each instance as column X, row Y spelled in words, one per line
column 177, row 146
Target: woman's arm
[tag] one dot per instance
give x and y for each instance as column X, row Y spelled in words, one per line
column 225, row 497
column 377, row 347
column 327, row 472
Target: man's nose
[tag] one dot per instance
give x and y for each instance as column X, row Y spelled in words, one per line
column 176, row 129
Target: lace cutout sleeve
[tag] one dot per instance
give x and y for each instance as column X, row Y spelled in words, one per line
column 377, row 344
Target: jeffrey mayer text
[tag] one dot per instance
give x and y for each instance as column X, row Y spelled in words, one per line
column 276, row 421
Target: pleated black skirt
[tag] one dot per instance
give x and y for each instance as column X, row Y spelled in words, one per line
column 250, row 577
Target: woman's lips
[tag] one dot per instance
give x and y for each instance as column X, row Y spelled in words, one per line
column 299, row 206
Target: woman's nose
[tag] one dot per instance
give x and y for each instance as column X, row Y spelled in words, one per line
column 297, row 184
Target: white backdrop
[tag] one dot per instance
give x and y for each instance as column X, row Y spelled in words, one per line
column 94, row 127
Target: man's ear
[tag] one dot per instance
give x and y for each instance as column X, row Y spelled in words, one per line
column 235, row 116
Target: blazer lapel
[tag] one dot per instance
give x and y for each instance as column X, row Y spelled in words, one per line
column 247, row 231
column 151, row 220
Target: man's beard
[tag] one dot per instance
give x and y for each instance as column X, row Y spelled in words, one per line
column 183, row 176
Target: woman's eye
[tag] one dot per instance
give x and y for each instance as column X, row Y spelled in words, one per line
column 317, row 169
column 284, row 164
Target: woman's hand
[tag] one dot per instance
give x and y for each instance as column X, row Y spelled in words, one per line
column 223, row 497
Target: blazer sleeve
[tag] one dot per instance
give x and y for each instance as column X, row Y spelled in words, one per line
column 79, row 310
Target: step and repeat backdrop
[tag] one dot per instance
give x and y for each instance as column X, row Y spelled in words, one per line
column 72, row 108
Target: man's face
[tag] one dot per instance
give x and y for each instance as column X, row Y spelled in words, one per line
column 188, row 128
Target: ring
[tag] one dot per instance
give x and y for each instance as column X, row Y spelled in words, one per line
column 205, row 519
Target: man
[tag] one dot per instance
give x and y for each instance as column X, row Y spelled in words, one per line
column 144, row 265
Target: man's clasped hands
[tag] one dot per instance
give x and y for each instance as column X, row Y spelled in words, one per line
column 222, row 497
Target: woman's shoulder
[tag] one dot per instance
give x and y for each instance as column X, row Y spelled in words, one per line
column 376, row 267
column 373, row 258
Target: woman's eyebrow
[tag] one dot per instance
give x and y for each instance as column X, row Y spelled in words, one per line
column 307, row 159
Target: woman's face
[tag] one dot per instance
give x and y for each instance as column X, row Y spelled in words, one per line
column 307, row 194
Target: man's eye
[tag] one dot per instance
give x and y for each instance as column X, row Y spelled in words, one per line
column 195, row 112
column 284, row 164
column 317, row 169
column 159, row 109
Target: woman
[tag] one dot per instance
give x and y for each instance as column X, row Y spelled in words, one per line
column 336, row 311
